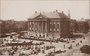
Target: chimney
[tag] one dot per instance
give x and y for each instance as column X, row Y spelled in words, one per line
column 35, row 11
column 56, row 10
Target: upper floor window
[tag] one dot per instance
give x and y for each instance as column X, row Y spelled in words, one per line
column 57, row 25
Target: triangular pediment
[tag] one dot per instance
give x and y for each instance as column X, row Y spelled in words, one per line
column 40, row 16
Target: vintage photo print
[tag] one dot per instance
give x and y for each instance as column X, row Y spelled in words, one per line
column 44, row 27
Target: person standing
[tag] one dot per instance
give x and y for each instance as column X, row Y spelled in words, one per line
column 64, row 46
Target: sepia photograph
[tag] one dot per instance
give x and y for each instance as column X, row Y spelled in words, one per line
column 44, row 27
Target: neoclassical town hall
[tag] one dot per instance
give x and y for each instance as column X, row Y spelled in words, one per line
column 49, row 24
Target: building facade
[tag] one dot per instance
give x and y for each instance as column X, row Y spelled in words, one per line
column 52, row 25
column 73, row 26
column 88, row 21
column 0, row 27
column 82, row 27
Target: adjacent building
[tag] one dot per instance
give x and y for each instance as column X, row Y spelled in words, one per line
column 88, row 22
column 0, row 27
column 73, row 26
column 80, row 26
column 49, row 24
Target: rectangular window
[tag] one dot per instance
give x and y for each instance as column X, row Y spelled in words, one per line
column 57, row 26
column 54, row 30
column 50, row 29
column 53, row 25
column 57, row 30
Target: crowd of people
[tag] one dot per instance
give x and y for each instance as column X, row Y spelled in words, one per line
column 40, row 47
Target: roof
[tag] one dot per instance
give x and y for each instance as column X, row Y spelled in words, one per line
column 35, row 15
column 51, row 15
column 54, row 14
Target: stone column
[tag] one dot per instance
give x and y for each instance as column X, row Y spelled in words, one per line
column 28, row 28
column 60, row 28
column 41, row 28
column 46, row 31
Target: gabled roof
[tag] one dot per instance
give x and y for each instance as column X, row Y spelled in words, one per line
column 51, row 15
column 54, row 14
column 41, row 16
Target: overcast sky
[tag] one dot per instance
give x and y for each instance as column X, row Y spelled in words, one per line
column 23, row 9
